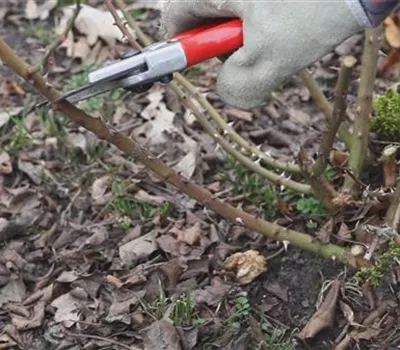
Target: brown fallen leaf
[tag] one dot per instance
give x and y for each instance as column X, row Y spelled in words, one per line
column 120, row 308
column 212, row 295
column 99, row 189
column 348, row 313
column 190, row 236
column 5, row 163
column 248, row 265
column 161, row 335
column 138, row 248
column 93, row 23
column 68, row 308
column 147, row 198
column 325, row 315
column 392, row 32
column 35, row 11
column 11, row 87
column 324, row 233
column 13, row 291
column 33, row 319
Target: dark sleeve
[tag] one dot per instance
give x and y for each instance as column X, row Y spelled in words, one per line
column 378, row 10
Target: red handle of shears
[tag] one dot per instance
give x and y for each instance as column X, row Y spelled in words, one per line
column 211, row 40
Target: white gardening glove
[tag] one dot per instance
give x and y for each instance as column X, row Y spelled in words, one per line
column 280, row 38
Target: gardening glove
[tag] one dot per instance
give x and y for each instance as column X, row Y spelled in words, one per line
column 280, row 38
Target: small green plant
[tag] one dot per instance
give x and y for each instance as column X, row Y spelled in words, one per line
column 20, row 136
column 386, row 262
column 253, row 187
column 386, row 122
column 310, row 205
column 184, row 312
column 276, row 339
column 124, row 223
column 158, row 308
column 42, row 33
column 241, row 311
column 126, row 204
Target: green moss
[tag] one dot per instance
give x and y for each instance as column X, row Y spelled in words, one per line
column 386, row 262
column 386, row 122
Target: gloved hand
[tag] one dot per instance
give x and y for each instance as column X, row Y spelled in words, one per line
column 280, row 38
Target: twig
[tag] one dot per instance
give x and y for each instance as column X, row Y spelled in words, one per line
column 322, row 188
column 122, row 26
column 333, row 123
column 393, row 214
column 389, row 161
column 239, row 156
column 359, row 145
column 231, row 133
column 131, row 147
column 324, row 104
column 212, row 112
column 42, row 65
column 97, row 337
column 248, row 163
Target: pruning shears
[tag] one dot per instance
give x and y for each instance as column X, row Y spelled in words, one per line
column 139, row 70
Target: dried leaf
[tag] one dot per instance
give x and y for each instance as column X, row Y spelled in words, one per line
column 34, row 171
column 99, row 188
column 77, row 140
column 98, row 237
column 95, row 24
column 324, row 233
column 11, row 87
column 392, row 32
column 5, row 114
column 187, row 165
column 121, row 306
column 14, row 291
column 161, row 335
column 33, row 319
column 368, row 334
column 144, row 197
column 190, row 236
column 325, row 315
column 139, row 248
column 248, row 265
column 212, row 295
column 68, row 309
column 5, row 163
column 348, row 313
column 33, row 11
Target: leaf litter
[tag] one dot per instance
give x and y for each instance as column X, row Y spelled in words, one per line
column 73, row 264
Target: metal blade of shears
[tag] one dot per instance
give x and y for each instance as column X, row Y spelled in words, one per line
column 86, row 92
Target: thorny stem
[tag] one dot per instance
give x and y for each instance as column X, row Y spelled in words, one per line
column 231, row 133
column 324, row 104
column 338, row 113
column 59, row 40
column 120, row 24
column 359, row 145
column 212, row 112
column 201, row 195
column 248, row 163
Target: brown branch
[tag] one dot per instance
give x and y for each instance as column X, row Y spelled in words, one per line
column 122, row 26
column 338, row 114
column 389, row 162
column 323, row 104
column 248, row 163
column 222, row 124
column 239, row 156
column 201, row 195
column 359, row 145
column 42, row 65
